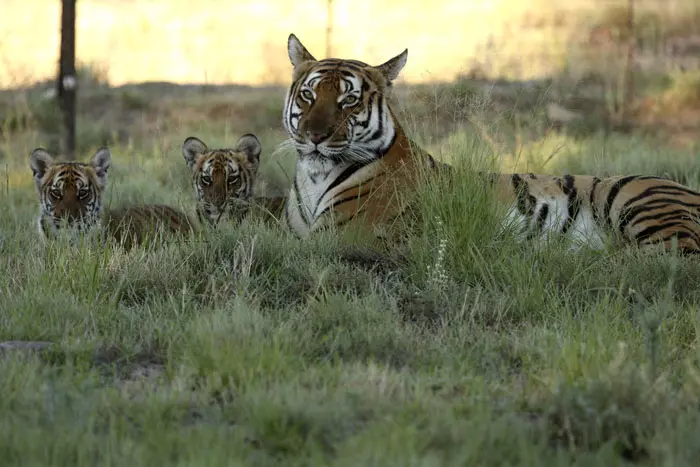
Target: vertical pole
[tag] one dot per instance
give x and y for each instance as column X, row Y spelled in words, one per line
column 329, row 27
column 629, row 65
column 67, row 79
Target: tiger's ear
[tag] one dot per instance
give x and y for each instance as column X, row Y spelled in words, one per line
column 39, row 162
column 297, row 52
column 101, row 162
column 191, row 148
column 391, row 68
column 249, row 145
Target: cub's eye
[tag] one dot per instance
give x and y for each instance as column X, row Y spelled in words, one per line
column 56, row 193
column 308, row 95
column 206, row 180
column 83, row 193
column 232, row 179
column 350, row 100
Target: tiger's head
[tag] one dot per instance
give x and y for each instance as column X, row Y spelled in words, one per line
column 338, row 109
column 223, row 178
column 70, row 193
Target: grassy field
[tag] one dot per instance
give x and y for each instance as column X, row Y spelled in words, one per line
column 251, row 347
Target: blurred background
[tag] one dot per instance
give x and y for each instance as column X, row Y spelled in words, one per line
column 516, row 75
column 216, row 41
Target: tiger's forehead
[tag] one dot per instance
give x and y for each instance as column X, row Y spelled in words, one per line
column 69, row 174
column 220, row 158
column 340, row 75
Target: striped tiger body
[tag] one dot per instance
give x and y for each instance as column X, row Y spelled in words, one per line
column 636, row 209
column 138, row 225
column 355, row 164
column 224, row 179
column 70, row 202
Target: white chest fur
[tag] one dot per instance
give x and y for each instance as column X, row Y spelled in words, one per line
column 313, row 190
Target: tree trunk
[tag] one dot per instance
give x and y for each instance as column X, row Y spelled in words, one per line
column 67, row 79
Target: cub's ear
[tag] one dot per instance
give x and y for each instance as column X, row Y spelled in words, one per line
column 249, row 144
column 191, row 148
column 297, row 52
column 391, row 68
column 39, row 161
column 101, row 162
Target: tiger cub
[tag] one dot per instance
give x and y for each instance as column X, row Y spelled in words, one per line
column 224, row 180
column 70, row 202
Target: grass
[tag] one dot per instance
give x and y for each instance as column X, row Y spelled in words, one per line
column 248, row 346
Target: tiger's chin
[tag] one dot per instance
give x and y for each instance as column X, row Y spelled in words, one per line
column 233, row 213
column 74, row 233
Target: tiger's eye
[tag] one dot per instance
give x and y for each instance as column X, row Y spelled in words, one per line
column 56, row 194
column 83, row 193
column 350, row 100
column 308, row 95
column 206, row 179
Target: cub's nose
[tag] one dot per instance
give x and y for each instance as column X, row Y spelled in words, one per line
column 316, row 138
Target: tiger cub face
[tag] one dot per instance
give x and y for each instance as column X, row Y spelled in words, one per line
column 337, row 109
column 70, row 193
column 223, row 178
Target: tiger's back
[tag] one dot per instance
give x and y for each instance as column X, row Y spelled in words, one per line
column 645, row 210
column 356, row 165
column 141, row 224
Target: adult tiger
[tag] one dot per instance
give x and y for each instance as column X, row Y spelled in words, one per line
column 355, row 162
column 70, row 201
column 644, row 210
column 224, row 179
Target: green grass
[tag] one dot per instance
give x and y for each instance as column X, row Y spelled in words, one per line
column 248, row 346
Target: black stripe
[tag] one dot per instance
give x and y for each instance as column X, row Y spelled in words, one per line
column 661, row 190
column 573, row 202
column 344, row 221
column 649, row 231
column 654, row 177
column 343, row 201
column 658, row 203
column 344, row 175
column 525, row 201
column 592, row 200
column 370, row 107
column 679, row 236
column 612, row 194
column 675, row 214
column 364, row 182
column 380, row 119
column 541, row 219
column 302, row 213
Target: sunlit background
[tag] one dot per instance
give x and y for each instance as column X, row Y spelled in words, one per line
column 217, row 41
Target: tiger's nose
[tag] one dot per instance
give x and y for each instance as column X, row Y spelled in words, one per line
column 316, row 138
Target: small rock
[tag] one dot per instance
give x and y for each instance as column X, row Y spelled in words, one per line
column 558, row 114
column 24, row 345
